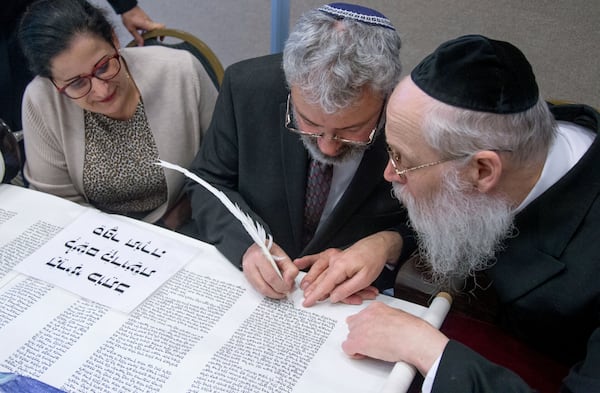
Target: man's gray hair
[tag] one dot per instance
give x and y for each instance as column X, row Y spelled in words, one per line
column 332, row 61
column 459, row 132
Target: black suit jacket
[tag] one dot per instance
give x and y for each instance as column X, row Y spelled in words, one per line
column 249, row 154
column 547, row 281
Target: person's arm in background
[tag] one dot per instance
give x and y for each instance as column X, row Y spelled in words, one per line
column 134, row 18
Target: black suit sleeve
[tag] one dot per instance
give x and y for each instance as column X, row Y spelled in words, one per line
column 463, row 370
column 585, row 376
column 122, row 6
column 217, row 163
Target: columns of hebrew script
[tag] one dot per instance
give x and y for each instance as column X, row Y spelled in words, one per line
column 159, row 334
column 268, row 353
column 25, row 244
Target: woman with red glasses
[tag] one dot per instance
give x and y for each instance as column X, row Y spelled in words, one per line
column 97, row 118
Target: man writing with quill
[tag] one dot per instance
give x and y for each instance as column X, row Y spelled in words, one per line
column 297, row 142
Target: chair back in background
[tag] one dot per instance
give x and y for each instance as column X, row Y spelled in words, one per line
column 187, row 41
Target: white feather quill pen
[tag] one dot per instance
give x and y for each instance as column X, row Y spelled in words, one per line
column 254, row 229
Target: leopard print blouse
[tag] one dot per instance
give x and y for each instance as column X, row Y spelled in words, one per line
column 119, row 175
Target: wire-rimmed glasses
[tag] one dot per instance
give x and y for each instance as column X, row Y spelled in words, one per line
column 395, row 161
column 290, row 125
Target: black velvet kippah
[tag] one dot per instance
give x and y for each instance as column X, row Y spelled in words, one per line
column 478, row 73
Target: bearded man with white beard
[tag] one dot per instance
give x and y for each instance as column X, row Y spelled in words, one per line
column 500, row 184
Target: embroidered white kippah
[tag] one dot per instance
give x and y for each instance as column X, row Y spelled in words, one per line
column 357, row 12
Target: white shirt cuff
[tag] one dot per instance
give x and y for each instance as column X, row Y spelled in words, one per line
column 430, row 377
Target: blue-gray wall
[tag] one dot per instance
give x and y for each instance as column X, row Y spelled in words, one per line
column 560, row 38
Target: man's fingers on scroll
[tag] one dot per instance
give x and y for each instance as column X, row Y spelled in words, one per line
column 369, row 293
column 327, row 283
column 258, row 283
column 317, row 267
column 355, row 285
column 272, row 279
column 319, row 289
column 261, row 274
column 305, row 261
column 289, row 271
column 351, row 345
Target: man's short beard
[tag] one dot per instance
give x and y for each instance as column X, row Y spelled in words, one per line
column 459, row 230
column 347, row 152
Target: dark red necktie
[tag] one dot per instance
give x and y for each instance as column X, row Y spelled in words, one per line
column 317, row 190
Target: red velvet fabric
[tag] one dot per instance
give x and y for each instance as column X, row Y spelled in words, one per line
column 540, row 372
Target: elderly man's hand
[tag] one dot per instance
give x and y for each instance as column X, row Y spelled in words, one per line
column 383, row 332
column 260, row 273
column 347, row 275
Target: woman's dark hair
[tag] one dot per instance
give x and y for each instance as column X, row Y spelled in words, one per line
column 49, row 26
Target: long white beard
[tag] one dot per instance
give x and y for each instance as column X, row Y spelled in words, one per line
column 458, row 230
